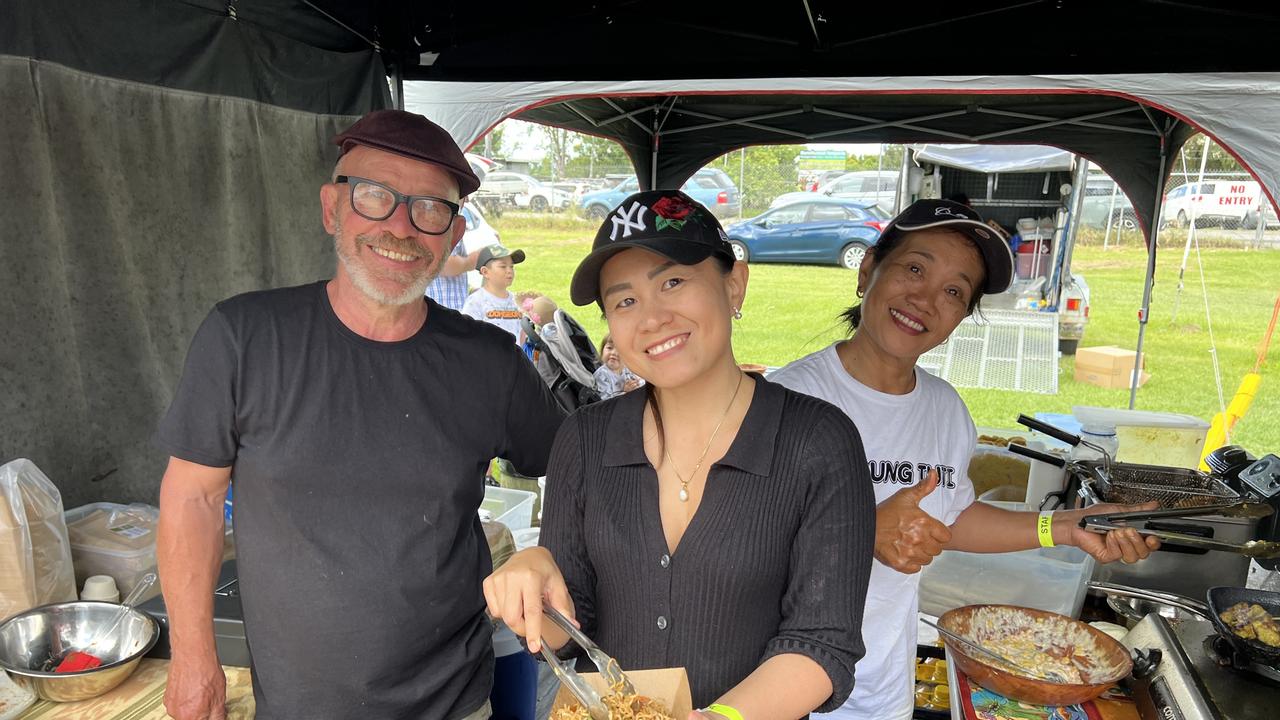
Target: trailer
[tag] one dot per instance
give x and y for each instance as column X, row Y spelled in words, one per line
column 1035, row 193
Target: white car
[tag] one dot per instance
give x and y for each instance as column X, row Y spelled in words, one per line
column 1229, row 203
column 864, row 186
column 525, row 191
column 479, row 234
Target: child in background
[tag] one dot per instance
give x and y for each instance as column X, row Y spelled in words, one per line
column 612, row 379
column 493, row 303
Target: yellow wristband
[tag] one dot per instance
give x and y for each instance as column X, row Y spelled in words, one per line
column 1044, row 528
column 725, row 710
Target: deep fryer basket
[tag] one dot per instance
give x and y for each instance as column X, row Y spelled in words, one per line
column 1106, row 480
column 1171, row 487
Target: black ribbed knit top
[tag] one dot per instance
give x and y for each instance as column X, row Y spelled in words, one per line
column 776, row 559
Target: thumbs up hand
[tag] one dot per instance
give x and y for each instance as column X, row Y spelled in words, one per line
column 907, row 537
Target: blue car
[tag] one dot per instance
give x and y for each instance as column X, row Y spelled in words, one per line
column 709, row 186
column 813, row 231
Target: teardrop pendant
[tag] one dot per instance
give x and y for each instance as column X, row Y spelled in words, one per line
column 684, row 495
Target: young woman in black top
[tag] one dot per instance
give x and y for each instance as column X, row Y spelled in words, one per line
column 713, row 521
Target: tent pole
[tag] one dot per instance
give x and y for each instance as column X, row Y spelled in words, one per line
column 397, row 85
column 1191, row 231
column 653, row 159
column 1066, row 246
column 1111, row 211
column 904, row 181
column 1151, row 264
column 742, row 173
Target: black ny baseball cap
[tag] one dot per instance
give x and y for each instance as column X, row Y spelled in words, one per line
column 667, row 222
column 493, row 252
column 997, row 257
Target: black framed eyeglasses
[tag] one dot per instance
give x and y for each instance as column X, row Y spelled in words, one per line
column 375, row 201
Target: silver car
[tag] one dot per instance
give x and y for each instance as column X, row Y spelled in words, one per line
column 863, row 186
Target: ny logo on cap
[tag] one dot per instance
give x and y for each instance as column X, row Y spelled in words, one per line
column 623, row 220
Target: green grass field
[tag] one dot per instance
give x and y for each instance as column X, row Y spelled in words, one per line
column 792, row 310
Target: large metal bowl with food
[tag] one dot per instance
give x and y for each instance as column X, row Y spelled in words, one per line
column 33, row 641
column 1085, row 660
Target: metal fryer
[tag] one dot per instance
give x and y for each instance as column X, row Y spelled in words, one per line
column 1130, row 484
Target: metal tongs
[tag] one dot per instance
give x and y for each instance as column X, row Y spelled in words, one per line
column 610, row 670
column 1261, row 549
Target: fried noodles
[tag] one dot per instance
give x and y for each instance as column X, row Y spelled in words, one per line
column 621, row 707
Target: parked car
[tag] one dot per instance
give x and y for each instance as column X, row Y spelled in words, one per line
column 575, row 188
column 823, row 178
column 879, row 187
column 479, row 234
column 1229, row 203
column 710, row 186
column 525, row 191
column 1269, row 218
column 1103, row 202
column 821, row 230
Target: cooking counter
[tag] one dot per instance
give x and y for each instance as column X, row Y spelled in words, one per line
column 141, row 697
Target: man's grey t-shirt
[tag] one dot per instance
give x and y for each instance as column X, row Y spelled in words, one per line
column 358, row 468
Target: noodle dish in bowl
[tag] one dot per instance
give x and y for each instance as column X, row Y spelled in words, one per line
column 1084, row 660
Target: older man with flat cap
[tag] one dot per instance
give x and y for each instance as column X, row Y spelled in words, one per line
column 347, row 415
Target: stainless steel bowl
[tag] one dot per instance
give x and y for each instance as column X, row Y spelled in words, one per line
column 1132, row 604
column 1134, row 609
column 30, row 639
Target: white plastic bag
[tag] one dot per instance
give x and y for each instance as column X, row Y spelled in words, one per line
column 35, row 555
column 14, row 699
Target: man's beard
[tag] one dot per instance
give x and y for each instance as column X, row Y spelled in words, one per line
column 414, row 283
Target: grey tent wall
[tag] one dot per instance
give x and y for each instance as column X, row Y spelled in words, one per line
column 130, row 210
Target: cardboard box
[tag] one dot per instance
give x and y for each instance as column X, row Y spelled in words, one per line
column 670, row 686
column 1108, row 367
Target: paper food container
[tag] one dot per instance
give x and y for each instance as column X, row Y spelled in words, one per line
column 670, row 686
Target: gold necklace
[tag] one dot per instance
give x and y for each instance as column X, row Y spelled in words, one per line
column 684, row 484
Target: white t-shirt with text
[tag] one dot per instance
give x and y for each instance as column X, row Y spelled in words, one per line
column 904, row 437
column 500, row 311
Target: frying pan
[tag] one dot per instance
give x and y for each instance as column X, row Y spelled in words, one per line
column 1222, row 597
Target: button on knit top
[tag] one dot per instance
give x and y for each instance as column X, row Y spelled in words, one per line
column 775, row 560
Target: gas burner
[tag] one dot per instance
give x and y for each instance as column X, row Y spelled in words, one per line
column 1220, row 652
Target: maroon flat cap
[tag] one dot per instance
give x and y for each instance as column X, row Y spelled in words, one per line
column 413, row 136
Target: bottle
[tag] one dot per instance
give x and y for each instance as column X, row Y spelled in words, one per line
column 1101, row 434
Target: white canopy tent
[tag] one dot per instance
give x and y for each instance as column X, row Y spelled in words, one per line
column 996, row 158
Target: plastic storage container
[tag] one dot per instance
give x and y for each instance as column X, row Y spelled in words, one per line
column 526, row 538
column 112, row 539
column 1099, row 434
column 513, row 508
column 1053, row 579
column 1151, row 438
column 1037, row 479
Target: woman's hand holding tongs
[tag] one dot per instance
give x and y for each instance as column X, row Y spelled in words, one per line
column 516, row 592
column 1125, row 544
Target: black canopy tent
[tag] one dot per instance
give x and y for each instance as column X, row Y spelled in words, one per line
column 161, row 149
column 670, row 136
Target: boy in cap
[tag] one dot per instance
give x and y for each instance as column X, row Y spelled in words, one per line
column 346, row 411
column 493, row 303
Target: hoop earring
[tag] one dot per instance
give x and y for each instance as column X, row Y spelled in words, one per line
column 737, row 314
